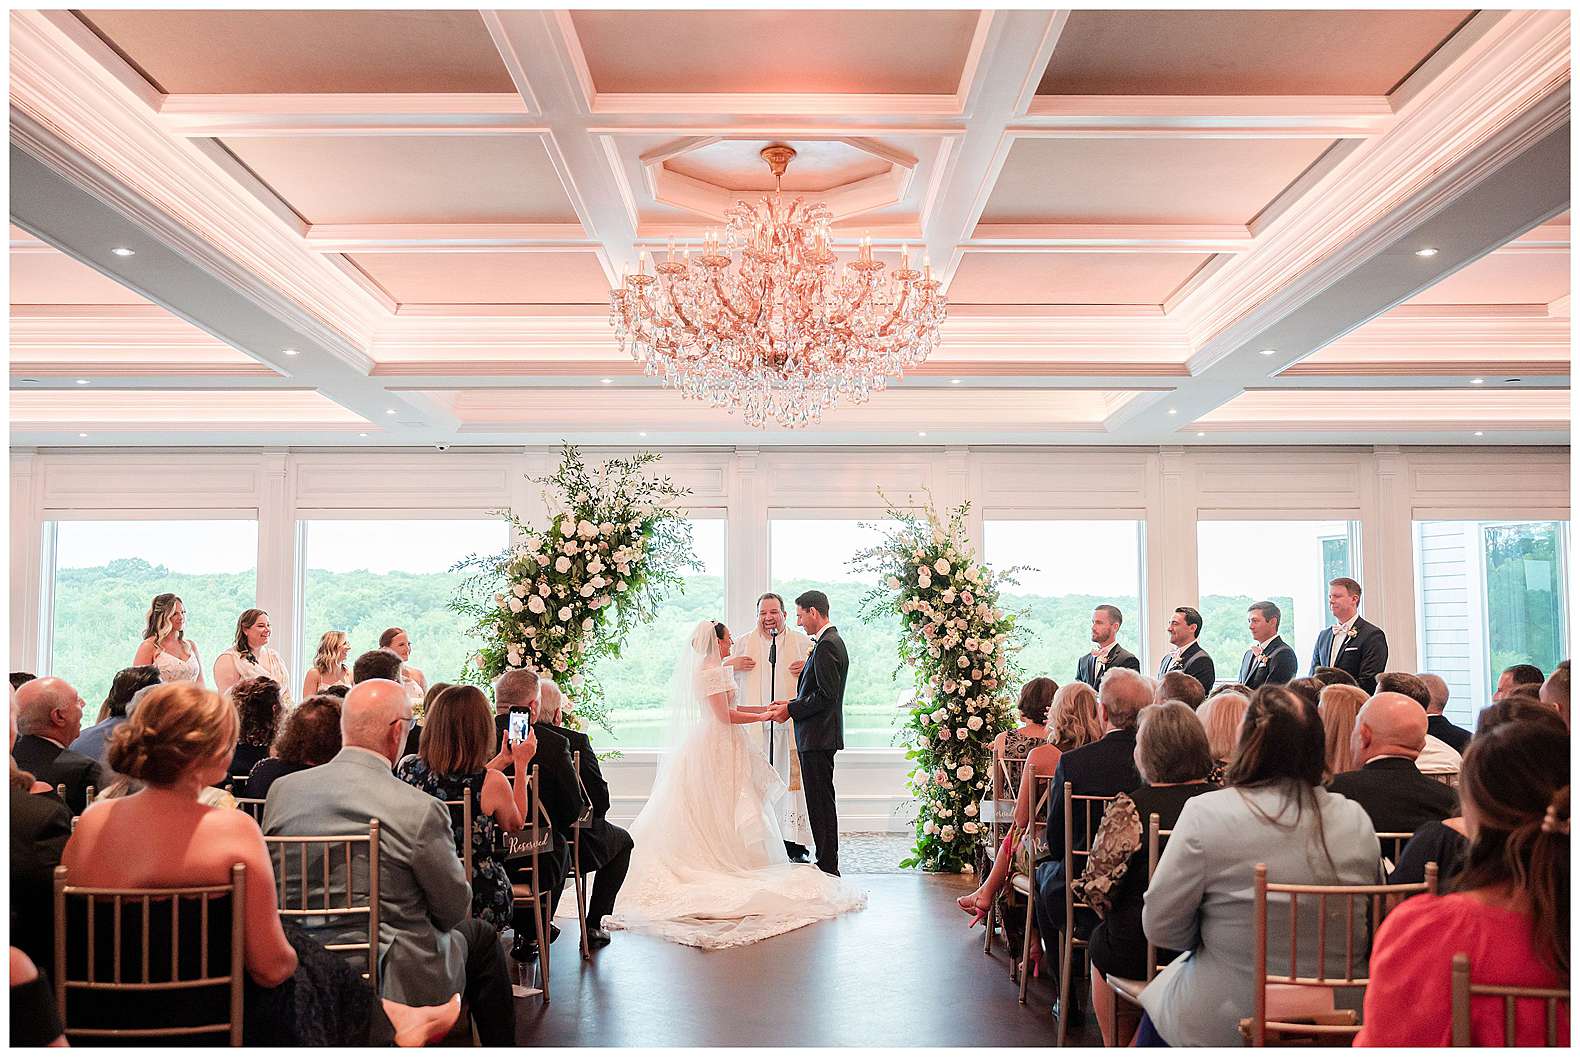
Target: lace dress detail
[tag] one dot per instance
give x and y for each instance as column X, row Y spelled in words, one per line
column 1017, row 746
column 490, row 882
column 173, row 669
column 710, row 868
column 266, row 664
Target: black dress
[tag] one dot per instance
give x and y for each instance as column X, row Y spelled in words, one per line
column 1118, row 943
column 265, row 771
column 1433, row 842
column 242, row 763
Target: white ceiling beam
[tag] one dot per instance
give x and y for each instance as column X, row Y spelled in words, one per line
column 1180, row 238
column 1211, row 116
column 430, row 238
column 343, row 114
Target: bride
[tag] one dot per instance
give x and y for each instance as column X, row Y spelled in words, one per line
column 710, row 868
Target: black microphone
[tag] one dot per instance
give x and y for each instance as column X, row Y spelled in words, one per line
column 773, row 645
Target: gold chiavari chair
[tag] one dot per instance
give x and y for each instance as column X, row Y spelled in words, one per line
column 1329, row 1026
column 532, row 842
column 1025, row 883
column 583, row 823
column 252, row 807
column 463, row 831
column 137, row 974
column 1005, row 787
column 1392, row 844
column 1091, row 809
column 1130, row 990
column 1463, row 991
column 329, row 865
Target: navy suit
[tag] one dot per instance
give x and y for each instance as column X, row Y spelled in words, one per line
column 819, row 713
column 1281, row 665
column 1365, row 655
column 1194, row 661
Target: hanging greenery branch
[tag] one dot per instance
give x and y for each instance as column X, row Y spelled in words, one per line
column 563, row 597
column 961, row 645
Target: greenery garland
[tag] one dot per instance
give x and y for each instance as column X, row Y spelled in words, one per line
column 562, row 598
column 961, row 646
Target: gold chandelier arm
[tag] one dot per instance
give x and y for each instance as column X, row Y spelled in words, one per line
column 888, row 324
column 718, row 291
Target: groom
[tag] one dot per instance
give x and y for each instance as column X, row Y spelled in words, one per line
column 818, row 711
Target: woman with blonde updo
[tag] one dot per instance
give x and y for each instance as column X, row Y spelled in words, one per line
column 329, row 667
column 177, row 742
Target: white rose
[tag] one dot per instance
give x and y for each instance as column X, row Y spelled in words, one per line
column 587, row 624
column 595, row 566
column 948, row 596
column 606, row 529
column 565, row 612
column 929, row 827
column 924, row 581
column 562, row 564
column 477, row 660
column 946, row 812
column 535, row 603
column 965, row 772
column 512, row 656
column 960, row 732
column 586, row 530
column 515, row 605
column 577, row 680
column 926, row 719
column 543, row 560
column 942, row 567
column 588, row 590
column 964, row 663
column 948, row 833
column 520, row 590
column 975, row 722
column 944, row 733
column 971, row 810
column 894, row 582
column 970, row 827
column 938, row 715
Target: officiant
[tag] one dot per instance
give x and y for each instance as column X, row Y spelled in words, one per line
column 777, row 652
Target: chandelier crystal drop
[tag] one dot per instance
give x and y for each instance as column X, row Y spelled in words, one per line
column 769, row 320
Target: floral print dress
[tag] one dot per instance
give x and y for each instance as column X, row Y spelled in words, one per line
column 491, row 900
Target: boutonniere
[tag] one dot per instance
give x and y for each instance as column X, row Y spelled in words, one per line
column 1352, row 633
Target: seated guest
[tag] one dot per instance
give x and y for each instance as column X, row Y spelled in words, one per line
column 1174, row 759
column 260, row 708
column 1437, row 724
column 1104, row 768
column 338, row 691
column 1517, row 676
column 1270, row 659
column 19, row 678
column 177, row 742
column 1074, row 723
column 1035, row 698
column 1445, row 842
column 1220, row 716
column 559, row 792
column 1509, row 910
column 606, row 848
column 430, row 947
column 555, row 708
column 49, row 717
column 1200, row 900
column 1182, row 687
column 93, row 742
column 1308, row 689
column 1187, row 656
column 310, row 736
column 1235, row 688
column 1389, row 732
column 40, row 825
column 1555, row 691
column 376, row 664
column 1338, row 706
column 34, row 1019
column 414, row 736
column 1437, row 757
column 1333, row 677
column 456, row 761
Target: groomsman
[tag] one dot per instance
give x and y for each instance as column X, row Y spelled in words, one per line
column 1270, row 660
column 1106, row 621
column 1353, row 644
column 1187, row 655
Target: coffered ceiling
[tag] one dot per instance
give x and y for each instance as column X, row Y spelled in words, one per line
column 1176, row 227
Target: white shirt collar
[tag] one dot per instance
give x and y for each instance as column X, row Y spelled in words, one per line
column 1103, row 654
column 1344, row 628
column 51, row 740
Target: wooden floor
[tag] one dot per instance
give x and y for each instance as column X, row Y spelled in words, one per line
column 903, row 972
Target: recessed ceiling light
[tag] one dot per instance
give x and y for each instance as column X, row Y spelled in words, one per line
column 1174, row 410
column 642, row 434
column 921, row 433
column 1477, row 381
column 292, row 352
column 1269, row 352
column 1426, row 251
column 82, row 381
column 1479, row 433
column 389, row 410
column 82, row 434
column 954, row 381
column 606, row 381
column 361, row 434
column 1201, row 434
column 124, row 251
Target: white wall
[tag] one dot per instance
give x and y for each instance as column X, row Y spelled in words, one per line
column 1383, row 488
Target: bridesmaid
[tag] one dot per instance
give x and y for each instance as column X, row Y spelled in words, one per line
column 251, row 656
column 399, row 643
column 329, row 667
column 165, row 645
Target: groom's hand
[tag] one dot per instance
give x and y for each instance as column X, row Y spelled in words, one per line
column 795, row 668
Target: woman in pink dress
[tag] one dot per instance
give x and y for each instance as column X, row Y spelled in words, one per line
column 1509, row 910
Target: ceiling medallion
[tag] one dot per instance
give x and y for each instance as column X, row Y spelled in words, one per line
column 770, row 321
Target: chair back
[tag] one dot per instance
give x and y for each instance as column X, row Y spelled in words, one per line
column 111, row 961
column 1155, row 839
column 1331, row 905
column 1089, row 809
column 1006, row 772
column 586, row 817
column 316, row 881
column 1463, row 991
column 1041, row 790
column 1393, row 844
column 252, row 807
column 463, row 831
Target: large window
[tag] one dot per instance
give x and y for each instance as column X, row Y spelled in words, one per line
column 636, row 684
column 362, row 577
column 1491, row 594
column 1074, row 566
column 107, row 572
column 1288, row 563
column 805, row 554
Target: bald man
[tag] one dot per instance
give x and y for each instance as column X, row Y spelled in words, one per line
column 1389, row 734
column 430, row 947
column 49, row 718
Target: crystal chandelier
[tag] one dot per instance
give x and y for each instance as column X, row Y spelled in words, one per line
column 769, row 321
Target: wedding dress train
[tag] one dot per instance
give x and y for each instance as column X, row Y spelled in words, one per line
column 710, row 868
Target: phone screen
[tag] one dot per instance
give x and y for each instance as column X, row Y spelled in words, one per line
column 520, row 724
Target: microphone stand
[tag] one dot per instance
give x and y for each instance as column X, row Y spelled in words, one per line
column 773, row 679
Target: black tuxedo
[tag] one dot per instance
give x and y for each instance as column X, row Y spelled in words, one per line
column 819, row 713
column 1086, row 669
column 1106, row 767
column 606, row 848
column 1282, row 665
column 40, row 827
column 1194, row 661
column 1457, row 738
column 1397, row 796
column 57, row 766
column 1365, row 656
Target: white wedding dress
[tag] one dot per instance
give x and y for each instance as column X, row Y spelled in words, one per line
column 710, row 868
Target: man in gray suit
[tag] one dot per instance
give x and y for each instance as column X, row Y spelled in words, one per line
column 430, row 947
